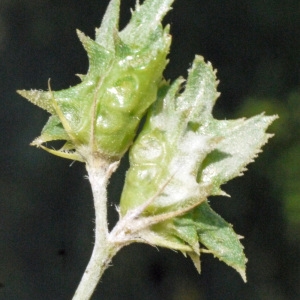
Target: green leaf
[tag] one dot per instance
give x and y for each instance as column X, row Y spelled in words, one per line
column 169, row 146
column 215, row 234
column 101, row 114
column 241, row 142
column 182, row 154
column 184, row 149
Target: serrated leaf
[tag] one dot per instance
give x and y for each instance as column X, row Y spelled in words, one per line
column 101, row 114
column 241, row 142
column 181, row 140
column 180, row 147
column 183, row 144
column 216, row 235
column 170, row 146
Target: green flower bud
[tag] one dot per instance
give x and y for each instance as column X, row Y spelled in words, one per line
column 172, row 144
column 102, row 113
column 182, row 156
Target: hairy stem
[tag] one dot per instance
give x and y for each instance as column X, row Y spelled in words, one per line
column 99, row 172
column 125, row 232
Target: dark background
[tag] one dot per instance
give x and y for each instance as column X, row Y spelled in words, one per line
column 46, row 209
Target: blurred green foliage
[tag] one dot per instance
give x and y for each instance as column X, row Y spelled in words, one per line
column 281, row 165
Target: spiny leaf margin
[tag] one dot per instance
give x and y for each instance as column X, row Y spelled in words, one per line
column 102, row 113
column 181, row 131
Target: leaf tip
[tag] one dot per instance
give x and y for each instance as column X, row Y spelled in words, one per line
column 196, row 260
column 242, row 272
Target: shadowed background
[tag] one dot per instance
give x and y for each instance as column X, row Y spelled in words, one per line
column 46, row 209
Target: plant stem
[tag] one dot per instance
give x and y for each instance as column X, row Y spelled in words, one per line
column 99, row 172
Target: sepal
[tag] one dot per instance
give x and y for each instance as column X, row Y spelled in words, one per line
column 182, row 144
column 101, row 114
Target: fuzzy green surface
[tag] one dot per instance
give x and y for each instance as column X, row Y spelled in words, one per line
column 181, row 144
column 102, row 113
column 182, row 154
